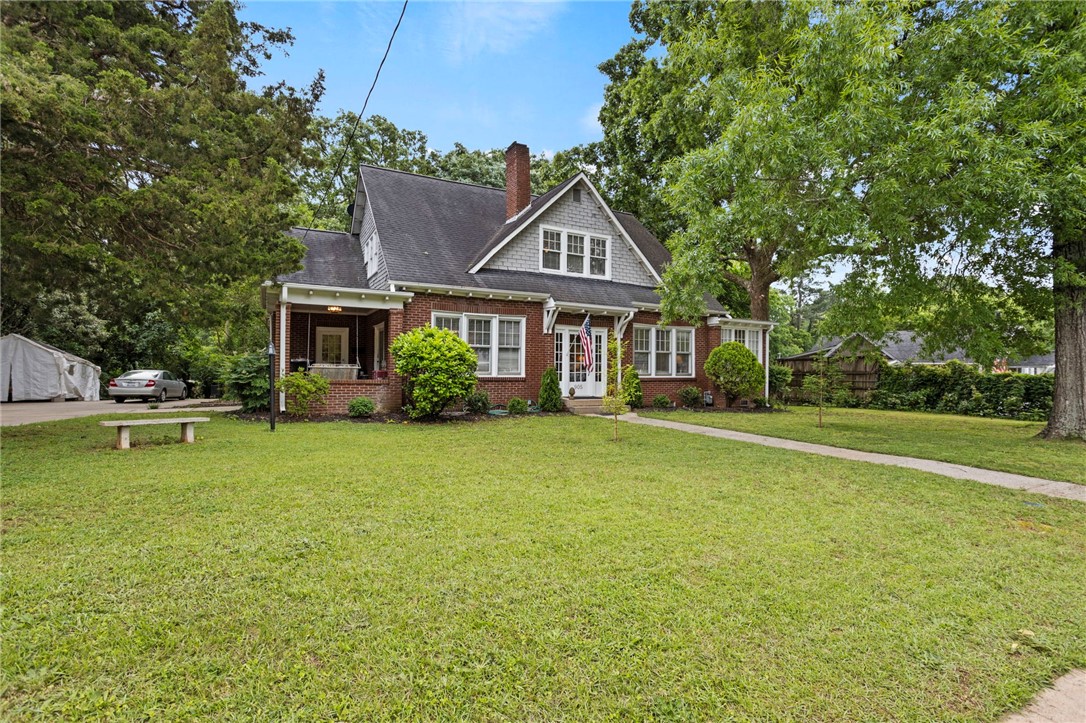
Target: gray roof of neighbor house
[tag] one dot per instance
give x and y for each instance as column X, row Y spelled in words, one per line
column 1037, row 360
column 332, row 258
column 433, row 231
column 896, row 346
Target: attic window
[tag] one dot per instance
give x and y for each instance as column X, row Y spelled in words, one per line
column 574, row 253
column 576, row 195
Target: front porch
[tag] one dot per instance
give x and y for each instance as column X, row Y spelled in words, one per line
column 342, row 335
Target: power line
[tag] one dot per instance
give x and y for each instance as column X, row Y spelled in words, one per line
column 357, row 120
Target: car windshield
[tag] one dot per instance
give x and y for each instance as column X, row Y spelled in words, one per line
column 142, row 373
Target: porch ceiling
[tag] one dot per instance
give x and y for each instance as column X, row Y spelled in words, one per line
column 355, row 300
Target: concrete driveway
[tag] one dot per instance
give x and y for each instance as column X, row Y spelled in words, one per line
column 15, row 413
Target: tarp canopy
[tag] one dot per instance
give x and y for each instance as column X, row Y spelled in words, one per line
column 34, row 371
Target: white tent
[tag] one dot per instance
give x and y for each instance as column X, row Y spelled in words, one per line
column 33, row 371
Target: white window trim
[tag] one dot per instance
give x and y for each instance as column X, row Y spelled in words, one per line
column 588, row 236
column 494, row 334
column 380, row 363
column 341, row 331
column 653, row 331
column 729, row 331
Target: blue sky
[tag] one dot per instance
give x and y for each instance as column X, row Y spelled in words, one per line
column 484, row 74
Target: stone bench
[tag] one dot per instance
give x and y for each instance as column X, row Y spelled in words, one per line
column 188, row 428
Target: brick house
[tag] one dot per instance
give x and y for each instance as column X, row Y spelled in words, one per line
column 515, row 276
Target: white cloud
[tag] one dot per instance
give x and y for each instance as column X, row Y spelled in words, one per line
column 590, row 121
column 476, row 28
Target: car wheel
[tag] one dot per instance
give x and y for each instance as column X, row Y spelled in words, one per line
column 162, row 396
column 184, row 393
column 119, row 400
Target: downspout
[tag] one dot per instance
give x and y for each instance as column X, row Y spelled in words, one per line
column 765, row 359
column 282, row 343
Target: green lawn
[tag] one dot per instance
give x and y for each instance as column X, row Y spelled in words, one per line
column 999, row 444
column 524, row 569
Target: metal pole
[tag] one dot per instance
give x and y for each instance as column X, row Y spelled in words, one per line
column 271, row 385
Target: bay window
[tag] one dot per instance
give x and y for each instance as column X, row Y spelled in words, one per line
column 498, row 341
column 667, row 352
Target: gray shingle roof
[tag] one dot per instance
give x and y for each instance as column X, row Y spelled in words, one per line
column 433, row 230
column 897, row 346
column 1037, row 360
column 332, row 258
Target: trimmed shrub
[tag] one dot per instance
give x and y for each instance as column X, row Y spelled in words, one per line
column 735, row 371
column 517, row 405
column 631, row 388
column 661, row 401
column 690, row 397
column 780, row 377
column 361, row 407
column 958, row 388
column 550, row 391
column 438, row 367
column 478, row 402
column 303, row 390
column 246, row 381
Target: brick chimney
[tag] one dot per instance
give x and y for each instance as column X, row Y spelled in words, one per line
column 518, row 179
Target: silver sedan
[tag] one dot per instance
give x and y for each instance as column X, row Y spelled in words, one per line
column 148, row 384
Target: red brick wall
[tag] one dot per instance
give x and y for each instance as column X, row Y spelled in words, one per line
column 383, row 392
column 705, row 340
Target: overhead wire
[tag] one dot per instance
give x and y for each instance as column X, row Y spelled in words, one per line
column 357, row 120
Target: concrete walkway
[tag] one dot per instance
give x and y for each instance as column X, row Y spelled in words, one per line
column 1064, row 702
column 16, row 413
column 1051, row 488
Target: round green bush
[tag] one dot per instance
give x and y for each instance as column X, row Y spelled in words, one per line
column 360, row 407
column 438, row 367
column 304, row 391
column 550, row 391
column 517, row 405
column 478, row 402
column 661, row 401
column 690, row 397
column 735, row 371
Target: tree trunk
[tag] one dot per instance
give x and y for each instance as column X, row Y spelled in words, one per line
column 1068, row 416
column 762, row 276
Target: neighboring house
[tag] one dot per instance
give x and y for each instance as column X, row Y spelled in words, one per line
column 1037, row 364
column 515, row 276
column 858, row 357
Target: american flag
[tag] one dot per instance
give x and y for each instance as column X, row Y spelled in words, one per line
column 586, row 343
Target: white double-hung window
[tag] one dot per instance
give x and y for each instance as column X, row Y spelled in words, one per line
column 750, row 338
column 498, row 341
column 574, row 253
column 663, row 352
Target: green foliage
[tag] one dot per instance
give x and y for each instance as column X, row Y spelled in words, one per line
column 246, row 381
column 632, row 394
column 517, row 405
column 614, row 401
column 139, row 167
column 661, row 401
column 477, row 402
column 304, row 391
column 361, row 407
column 550, row 391
column 438, row 367
column 825, row 384
column 780, row 377
column 690, row 397
column 735, row 371
column 958, row 388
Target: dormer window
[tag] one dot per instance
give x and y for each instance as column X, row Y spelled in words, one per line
column 564, row 252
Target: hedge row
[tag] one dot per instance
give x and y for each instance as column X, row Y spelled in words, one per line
column 957, row 388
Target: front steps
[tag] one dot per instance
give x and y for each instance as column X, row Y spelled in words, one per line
column 584, row 405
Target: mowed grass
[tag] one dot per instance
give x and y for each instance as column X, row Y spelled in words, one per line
column 999, row 444
column 524, row 569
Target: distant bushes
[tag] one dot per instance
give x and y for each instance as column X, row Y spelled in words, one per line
column 957, row 388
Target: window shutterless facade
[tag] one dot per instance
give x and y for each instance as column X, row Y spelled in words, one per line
column 667, row 352
column 750, row 338
column 498, row 341
column 564, row 252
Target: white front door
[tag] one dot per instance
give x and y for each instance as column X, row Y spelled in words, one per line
column 570, row 361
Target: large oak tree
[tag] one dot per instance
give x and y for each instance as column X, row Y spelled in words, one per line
column 937, row 148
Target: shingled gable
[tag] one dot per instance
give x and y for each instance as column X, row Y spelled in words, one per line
column 539, row 206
